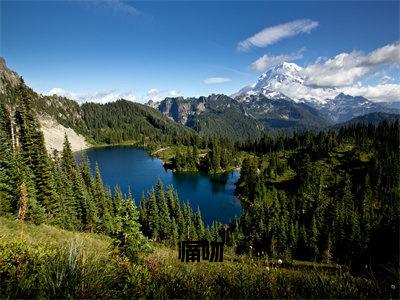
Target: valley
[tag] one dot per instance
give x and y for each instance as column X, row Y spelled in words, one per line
column 199, row 149
column 308, row 187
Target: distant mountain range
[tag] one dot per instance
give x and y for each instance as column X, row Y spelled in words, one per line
column 255, row 109
column 371, row 118
column 264, row 104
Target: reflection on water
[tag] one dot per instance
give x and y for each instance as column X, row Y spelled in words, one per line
column 132, row 167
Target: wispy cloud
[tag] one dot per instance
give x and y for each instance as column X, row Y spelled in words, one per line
column 347, row 68
column 216, row 80
column 99, row 97
column 153, row 92
column 380, row 92
column 266, row 61
column 271, row 35
column 174, row 93
column 154, row 95
column 158, row 95
column 351, row 73
column 119, row 7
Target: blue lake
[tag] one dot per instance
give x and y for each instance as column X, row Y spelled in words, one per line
column 132, row 167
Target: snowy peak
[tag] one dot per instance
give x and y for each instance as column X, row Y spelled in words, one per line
column 287, row 81
column 282, row 73
column 284, row 80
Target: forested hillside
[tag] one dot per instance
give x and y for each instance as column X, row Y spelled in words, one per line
column 112, row 123
column 320, row 210
column 334, row 196
column 124, row 121
column 215, row 114
column 291, row 211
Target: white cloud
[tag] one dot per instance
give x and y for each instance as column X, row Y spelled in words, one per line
column 271, row 35
column 174, row 93
column 389, row 54
column 380, row 92
column 154, row 95
column 216, row 80
column 153, row 92
column 350, row 73
column 266, row 61
column 99, row 97
column 347, row 68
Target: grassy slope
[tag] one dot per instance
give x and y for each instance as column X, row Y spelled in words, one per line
column 52, row 262
column 10, row 230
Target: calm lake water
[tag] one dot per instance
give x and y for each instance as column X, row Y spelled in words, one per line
column 132, row 167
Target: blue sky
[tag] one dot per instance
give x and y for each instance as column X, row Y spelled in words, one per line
column 153, row 49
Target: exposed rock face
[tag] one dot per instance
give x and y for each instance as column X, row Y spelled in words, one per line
column 283, row 113
column 51, row 112
column 54, row 133
column 215, row 114
column 177, row 109
column 6, row 74
column 271, row 110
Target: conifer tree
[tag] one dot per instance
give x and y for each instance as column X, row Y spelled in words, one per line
column 153, row 215
column 174, row 239
column 143, row 216
column 106, row 222
column 67, row 157
column 118, row 198
column 164, row 220
column 313, row 240
column 198, row 223
column 87, row 210
column 173, row 203
column 35, row 212
column 8, row 177
column 43, row 173
column 132, row 241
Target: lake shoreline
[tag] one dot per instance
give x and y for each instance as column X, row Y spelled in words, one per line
column 153, row 153
column 134, row 168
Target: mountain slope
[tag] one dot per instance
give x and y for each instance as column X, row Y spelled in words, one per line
column 283, row 113
column 89, row 123
column 284, row 79
column 371, row 118
column 287, row 81
column 345, row 107
column 123, row 120
column 215, row 114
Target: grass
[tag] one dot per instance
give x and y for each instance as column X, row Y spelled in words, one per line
column 53, row 263
column 242, row 277
column 38, row 234
column 288, row 175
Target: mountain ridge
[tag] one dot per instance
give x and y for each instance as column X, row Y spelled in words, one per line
column 90, row 123
column 286, row 81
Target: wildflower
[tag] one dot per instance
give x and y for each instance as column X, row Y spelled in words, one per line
column 393, row 287
column 280, row 261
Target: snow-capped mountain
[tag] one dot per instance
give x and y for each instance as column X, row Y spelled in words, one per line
column 286, row 80
column 345, row 107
